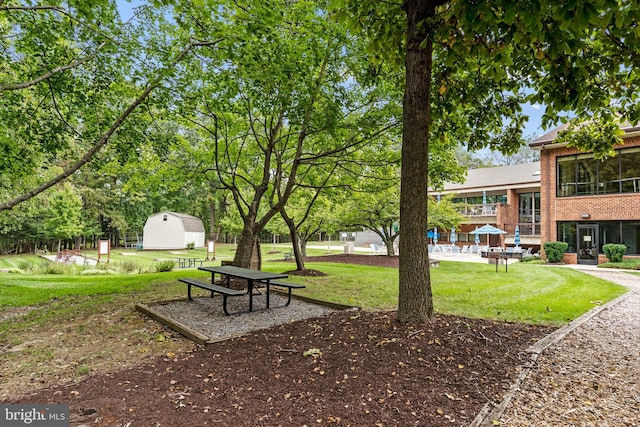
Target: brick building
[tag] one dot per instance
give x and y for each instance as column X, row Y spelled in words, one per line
column 502, row 196
column 588, row 203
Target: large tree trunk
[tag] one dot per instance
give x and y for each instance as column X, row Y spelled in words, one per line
column 415, row 299
column 246, row 244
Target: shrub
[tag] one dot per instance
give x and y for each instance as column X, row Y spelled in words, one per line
column 532, row 259
column 614, row 252
column 128, row 267
column 25, row 265
column 56, row 268
column 191, row 245
column 165, row 266
column 555, row 251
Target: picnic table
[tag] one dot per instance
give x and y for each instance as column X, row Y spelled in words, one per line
column 497, row 254
column 251, row 276
column 188, row 262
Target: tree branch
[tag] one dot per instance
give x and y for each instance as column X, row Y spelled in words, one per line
column 24, row 85
column 106, row 136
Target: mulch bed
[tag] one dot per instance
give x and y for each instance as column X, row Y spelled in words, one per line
column 344, row 369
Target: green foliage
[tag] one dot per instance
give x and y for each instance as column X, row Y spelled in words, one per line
column 25, row 265
column 443, row 214
column 164, row 266
column 627, row 264
column 554, row 251
column 64, row 215
column 128, row 267
column 614, row 252
column 191, row 245
column 532, row 259
column 56, row 268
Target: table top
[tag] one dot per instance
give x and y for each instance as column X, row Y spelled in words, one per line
column 244, row 273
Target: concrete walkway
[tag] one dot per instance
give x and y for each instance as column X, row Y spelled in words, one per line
column 75, row 259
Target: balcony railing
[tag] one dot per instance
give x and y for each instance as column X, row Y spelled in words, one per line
column 488, row 209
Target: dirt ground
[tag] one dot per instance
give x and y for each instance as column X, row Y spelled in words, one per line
column 345, row 369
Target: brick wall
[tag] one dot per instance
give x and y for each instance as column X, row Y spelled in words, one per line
column 609, row 207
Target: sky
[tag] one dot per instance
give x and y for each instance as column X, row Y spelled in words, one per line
column 533, row 127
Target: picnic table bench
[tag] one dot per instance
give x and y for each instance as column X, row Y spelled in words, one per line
column 250, row 276
column 497, row 255
column 185, row 262
column 287, row 285
column 65, row 255
column 224, row 291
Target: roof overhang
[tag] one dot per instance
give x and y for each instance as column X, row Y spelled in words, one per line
column 546, row 141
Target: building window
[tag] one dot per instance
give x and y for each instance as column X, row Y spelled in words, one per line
column 584, row 175
column 609, row 232
column 630, row 170
column 566, row 175
column 529, row 213
column 619, row 232
column 567, row 233
column 631, row 237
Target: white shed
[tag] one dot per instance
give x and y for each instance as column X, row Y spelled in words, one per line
column 171, row 230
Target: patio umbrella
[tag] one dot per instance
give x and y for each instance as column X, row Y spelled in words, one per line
column 453, row 236
column 477, row 236
column 516, row 237
column 488, row 229
column 435, row 235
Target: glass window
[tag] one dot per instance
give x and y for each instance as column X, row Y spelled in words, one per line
column 526, row 207
column 630, row 167
column 566, row 176
column 586, row 174
column 609, row 233
column 567, row 233
column 609, row 175
column 631, row 237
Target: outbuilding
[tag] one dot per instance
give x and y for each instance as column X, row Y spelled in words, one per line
column 172, row 230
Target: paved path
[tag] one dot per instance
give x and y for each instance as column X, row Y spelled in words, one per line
column 75, row 259
column 584, row 374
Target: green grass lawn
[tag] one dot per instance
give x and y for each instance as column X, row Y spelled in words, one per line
column 146, row 259
column 527, row 293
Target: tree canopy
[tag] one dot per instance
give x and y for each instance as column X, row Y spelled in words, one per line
column 469, row 65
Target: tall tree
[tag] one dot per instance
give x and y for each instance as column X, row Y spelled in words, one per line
column 575, row 56
column 286, row 98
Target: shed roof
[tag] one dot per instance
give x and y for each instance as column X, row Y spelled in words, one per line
column 191, row 223
column 498, row 178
